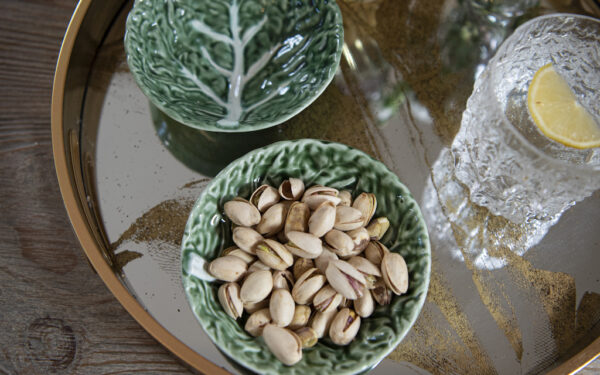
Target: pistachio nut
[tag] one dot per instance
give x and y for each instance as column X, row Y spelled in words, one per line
column 318, row 194
column 364, row 306
column 264, row 197
column 345, row 198
column 283, row 343
column 322, row 260
column 237, row 252
column 274, row 254
column 241, row 212
column 327, row 299
column 395, row 273
column 304, row 245
column 307, row 285
column 228, row 268
column 283, row 280
column 301, row 317
column 322, row 220
column 257, row 321
column 344, row 327
column 345, row 303
column 308, row 337
column 246, row 238
column 322, row 321
column 281, row 307
column 229, row 297
column 291, row 189
column 341, row 243
column 273, row 219
column 378, row 227
column 366, row 203
column 256, row 286
column 375, row 251
column 345, row 279
column 252, row 307
column 381, row 294
column 361, row 239
column 302, row 265
column 348, row 218
column 369, row 270
column 258, row 266
column 297, row 218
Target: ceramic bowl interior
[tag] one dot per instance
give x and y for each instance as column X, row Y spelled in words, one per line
column 233, row 65
column 315, row 162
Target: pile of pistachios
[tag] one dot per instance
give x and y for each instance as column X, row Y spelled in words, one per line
column 306, row 265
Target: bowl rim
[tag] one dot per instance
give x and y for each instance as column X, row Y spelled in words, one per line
column 423, row 290
column 169, row 111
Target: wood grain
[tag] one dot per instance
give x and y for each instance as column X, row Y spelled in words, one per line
column 56, row 315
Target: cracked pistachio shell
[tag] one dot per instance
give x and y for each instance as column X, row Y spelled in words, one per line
column 381, row 294
column 348, row 218
column 302, row 265
column 322, row 220
column 291, row 189
column 327, row 299
column 308, row 337
column 321, row 322
column 256, row 286
column 307, row 285
column 264, row 197
column 345, row 198
column 228, row 268
column 368, row 269
column 361, row 239
column 297, row 218
column 241, row 212
column 283, row 343
column 378, row 227
column 364, row 306
column 274, row 255
column 237, row 252
column 301, row 317
column 252, row 307
column 395, row 273
column 283, row 280
column 375, row 251
column 257, row 321
column 318, row 194
column 322, row 260
column 304, row 245
column 246, row 238
column 229, row 297
column 258, row 266
column 273, row 219
column 281, row 307
column 344, row 327
column 345, row 279
column 341, row 243
column 366, row 203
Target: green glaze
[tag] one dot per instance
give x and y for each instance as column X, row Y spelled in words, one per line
column 233, row 65
column 315, row 162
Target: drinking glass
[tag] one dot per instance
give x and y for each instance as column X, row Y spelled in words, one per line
column 509, row 166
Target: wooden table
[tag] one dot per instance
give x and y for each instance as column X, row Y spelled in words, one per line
column 56, row 315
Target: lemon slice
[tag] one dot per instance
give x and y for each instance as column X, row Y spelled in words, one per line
column 557, row 113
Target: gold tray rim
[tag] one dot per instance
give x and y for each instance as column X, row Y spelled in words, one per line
column 94, row 252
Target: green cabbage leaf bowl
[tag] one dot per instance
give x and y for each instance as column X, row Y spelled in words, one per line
column 233, row 65
column 315, row 162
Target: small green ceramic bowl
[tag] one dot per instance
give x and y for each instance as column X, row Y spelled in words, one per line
column 233, row 65
column 315, row 162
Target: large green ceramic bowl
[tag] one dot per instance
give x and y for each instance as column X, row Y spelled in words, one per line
column 315, row 162
column 233, row 65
